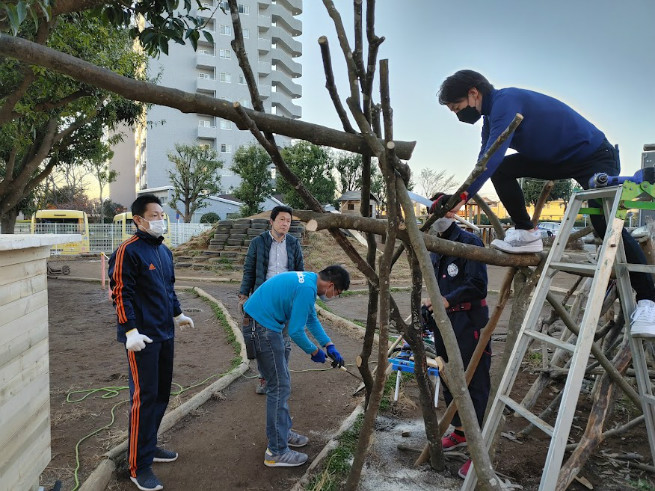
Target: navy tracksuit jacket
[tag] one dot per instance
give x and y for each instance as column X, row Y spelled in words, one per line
column 462, row 282
column 142, row 282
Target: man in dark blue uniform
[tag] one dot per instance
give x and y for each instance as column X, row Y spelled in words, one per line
column 147, row 310
column 463, row 286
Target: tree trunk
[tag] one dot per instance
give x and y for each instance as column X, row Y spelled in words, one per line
column 8, row 221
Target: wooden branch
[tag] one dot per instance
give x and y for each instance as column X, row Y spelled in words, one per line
column 240, row 51
column 345, row 47
column 374, row 43
column 493, row 219
column 34, row 54
column 358, row 57
column 331, row 86
column 545, row 193
column 322, row 221
column 486, row 477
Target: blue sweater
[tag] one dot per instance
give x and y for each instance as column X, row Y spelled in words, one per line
column 289, row 297
column 551, row 131
column 141, row 279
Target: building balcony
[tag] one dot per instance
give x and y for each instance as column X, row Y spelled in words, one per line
column 263, row 4
column 264, row 68
column 294, row 6
column 283, row 18
column 263, row 45
column 207, row 132
column 206, row 84
column 284, row 105
column 264, row 91
column 205, row 59
column 264, row 21
column 283, row 79
column 282, row 36
column 279, row 56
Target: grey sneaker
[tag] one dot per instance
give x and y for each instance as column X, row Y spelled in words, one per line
column 146, row 480
column 643, row 320
column 163, row 455
column 297, row 440
column 286, row 459
column 519, row 241
column 261, row 386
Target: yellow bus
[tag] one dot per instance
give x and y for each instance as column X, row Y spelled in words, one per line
column 63, row 222
column 124, row 228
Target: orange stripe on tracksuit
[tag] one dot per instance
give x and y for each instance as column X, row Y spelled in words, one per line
column 118, row 279
column 134, row 415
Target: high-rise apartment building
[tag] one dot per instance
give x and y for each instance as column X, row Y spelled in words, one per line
column 270, row 29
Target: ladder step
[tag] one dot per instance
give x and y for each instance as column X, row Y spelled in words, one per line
column 648, row 398
column 575, row 267
column 550, row 340
column 640, row 268
column 532, row 418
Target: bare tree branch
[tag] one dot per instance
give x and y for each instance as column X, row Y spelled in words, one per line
column 330, row 85
column 32, row 53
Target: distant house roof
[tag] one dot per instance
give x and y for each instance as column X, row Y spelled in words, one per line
column 229, row 197
column 355, row 195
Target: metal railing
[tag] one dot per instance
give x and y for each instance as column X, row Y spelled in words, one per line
column 106, row 237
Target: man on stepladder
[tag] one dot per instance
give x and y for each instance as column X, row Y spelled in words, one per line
column 553, row 142
column 147, row 310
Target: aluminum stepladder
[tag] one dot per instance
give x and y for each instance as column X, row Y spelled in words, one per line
column 611, row 257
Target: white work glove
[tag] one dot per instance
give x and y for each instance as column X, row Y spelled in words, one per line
column 183, row 321
column 136, row 341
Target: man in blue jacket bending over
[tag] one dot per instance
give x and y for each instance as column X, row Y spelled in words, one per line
column 288, row 298
column 147, row 310
column 552, row 142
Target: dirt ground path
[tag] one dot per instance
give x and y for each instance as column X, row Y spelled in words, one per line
column 221, row 444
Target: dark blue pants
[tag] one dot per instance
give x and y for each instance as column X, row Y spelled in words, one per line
column 151, row 375
column 605, row 159
column 467, row 325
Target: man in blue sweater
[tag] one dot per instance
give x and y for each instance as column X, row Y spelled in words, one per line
column 147, row 311
column 553, row 142
column 288, row 299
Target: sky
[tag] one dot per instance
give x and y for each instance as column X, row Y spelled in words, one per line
column 598, row 56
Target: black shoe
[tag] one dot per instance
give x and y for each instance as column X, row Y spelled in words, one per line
column 163, row 455
column 146, row 480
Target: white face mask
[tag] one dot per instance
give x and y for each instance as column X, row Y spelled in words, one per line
column 442, row 224
column 157, row 228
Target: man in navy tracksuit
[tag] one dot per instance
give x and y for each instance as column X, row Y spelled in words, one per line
column 147, row 310
column 463, row 285
column 552, row 142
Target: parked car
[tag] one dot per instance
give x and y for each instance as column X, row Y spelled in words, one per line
column 548, row 229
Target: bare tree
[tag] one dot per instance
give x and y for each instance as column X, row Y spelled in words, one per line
column 432, row 181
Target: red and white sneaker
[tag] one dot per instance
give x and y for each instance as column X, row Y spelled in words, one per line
column 452, row 441
column 464, row 470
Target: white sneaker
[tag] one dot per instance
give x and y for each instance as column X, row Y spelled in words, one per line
column 643, row 320
column 520, row 241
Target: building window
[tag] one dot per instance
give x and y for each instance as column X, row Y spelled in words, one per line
column 225, row 124
column 244, row 9
column 225, row 30
column 225, row 77
column 351, row 206
column 246, row 33
column 204, row 75
column 206, row 51
column 242, row 80
column 225, row 148
column 226, row 54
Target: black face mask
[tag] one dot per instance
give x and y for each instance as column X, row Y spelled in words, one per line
column 468, row 115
